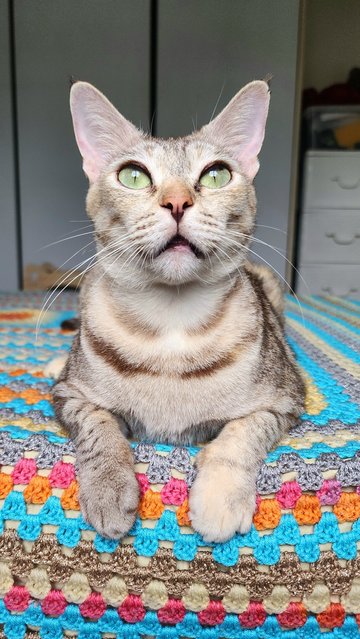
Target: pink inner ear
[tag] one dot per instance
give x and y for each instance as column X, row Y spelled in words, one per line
column 92, row 161
column 100, row 130
column 240, row 127
column 250, row 166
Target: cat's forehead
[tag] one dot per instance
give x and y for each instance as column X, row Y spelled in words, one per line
column 179, row 156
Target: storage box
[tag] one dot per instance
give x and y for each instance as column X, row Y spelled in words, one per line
column 332, row 127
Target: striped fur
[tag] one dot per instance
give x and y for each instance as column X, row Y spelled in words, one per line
column 176, row 346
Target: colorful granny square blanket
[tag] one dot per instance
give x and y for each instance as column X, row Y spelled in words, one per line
column 296, row 574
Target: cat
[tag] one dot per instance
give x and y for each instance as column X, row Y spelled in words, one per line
column 181, row 338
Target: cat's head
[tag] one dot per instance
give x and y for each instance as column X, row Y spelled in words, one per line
column 171, row 211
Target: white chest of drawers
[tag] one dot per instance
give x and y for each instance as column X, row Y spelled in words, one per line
column 329, row 239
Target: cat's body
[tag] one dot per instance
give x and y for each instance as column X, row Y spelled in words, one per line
column 173, row 347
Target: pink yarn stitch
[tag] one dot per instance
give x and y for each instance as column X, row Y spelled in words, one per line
column 254, row 616
column 213, row 614
column 23, row 471
column 62, row 475
column 143, row 483
column 288, row 494
column 132, row 609
column 174, row 492
column 173, row 612
column 94, row 606
column 329, row 493
column 17, row 599
column 293, row 617
column 54, row 603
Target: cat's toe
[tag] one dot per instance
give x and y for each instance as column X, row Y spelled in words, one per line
column 109, row 507
column 220, row 509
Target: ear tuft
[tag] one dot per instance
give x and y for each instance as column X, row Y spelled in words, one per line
column 240, row 127
column 100, row 130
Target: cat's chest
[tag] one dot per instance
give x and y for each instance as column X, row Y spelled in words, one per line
column 160, row 405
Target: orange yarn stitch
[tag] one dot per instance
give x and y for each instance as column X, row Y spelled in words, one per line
column 70, row 497
column 182, row 514
column 6, row 484
column 268, row 514
column 38, row 490
column 17, row 371
column 32, row 395
column 307, row 510
column 348, row 507
column 332, row 617
column 6, row 394
column 151, row 506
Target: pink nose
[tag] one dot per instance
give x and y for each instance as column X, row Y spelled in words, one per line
column 177, row 203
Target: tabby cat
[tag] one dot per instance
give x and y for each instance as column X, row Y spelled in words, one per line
column 181, row 338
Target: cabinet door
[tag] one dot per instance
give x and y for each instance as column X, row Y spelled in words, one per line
column 209, row 49
column 8, row 248
column 105, row 43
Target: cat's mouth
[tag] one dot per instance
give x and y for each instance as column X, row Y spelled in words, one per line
column 181, row 244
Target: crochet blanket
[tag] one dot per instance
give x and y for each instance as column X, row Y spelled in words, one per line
column 295, row 574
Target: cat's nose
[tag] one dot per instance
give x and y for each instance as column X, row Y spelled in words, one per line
column 177, row 203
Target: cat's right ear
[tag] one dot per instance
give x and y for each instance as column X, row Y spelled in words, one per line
column 100, row 130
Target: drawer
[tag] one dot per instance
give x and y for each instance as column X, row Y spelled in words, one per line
column 332, row 181
column 322, row 279
column 330, row 236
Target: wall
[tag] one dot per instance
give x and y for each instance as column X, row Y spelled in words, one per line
column 8, row 247
column 206, row 50
column 332, row 41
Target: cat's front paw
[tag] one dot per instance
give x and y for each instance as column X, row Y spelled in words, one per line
column 109, row 498
column 221, row 503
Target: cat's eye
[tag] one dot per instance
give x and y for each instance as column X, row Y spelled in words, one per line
column 134, row 177
column 215, row 176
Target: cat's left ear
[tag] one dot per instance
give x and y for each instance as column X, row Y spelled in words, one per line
column 240, row 127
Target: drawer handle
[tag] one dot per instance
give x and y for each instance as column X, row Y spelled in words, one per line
column 330, row 291
column 343, row 240
column 346, row 185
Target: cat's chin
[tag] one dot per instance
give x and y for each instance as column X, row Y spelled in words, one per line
column 178, row 265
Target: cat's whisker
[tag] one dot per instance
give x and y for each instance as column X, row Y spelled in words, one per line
column 232, row 261
column 225, row 236
column 274, row 228
column 48, row 301
column 64, row 239
column 217, row 102
column 277, row 250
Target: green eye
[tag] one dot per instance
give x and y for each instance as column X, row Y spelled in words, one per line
column 215, row 177
column 134, row 177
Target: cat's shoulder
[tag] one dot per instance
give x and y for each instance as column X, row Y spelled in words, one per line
column 268, row 284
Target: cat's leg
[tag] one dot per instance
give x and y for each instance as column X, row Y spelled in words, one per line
column 108, row 489
column 222, row 498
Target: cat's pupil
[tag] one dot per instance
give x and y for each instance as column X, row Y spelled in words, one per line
column 135, row 174
column 213, row 174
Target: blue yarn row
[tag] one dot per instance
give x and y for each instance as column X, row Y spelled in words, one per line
column 330, row 339
column 26, row 378
column 266, row 548
column 323, row 314
column 339, row 404
column 53, row 628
